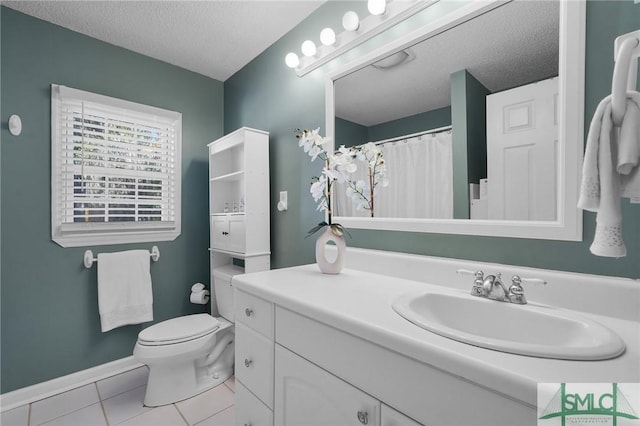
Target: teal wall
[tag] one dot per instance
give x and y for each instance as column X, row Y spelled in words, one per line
column 412, row 124
column 349, row 134
column 49, row 311
column 469, row 117
column 268, row 95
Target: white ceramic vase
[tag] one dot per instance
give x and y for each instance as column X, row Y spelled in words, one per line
column 324, row 264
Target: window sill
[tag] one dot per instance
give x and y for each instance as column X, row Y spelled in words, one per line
column 108, row 238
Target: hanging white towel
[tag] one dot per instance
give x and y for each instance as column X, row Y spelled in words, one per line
column 629, row 152
column 600, row 190
column 124, row 288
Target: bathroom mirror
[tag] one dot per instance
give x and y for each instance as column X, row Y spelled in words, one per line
column 480, row 78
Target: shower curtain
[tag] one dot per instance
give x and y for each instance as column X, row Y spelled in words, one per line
column 420, row 173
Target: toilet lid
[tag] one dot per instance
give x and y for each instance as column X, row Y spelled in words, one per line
column 179, row 330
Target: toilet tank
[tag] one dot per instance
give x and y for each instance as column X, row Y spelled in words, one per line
column 223, row 289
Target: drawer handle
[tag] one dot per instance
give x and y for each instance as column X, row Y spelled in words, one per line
column 248, row 312
column 225, row 233
column 247, row 362
column 363, row 417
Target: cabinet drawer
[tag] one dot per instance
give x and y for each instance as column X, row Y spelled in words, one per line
column 391, row 417
column 254, row 362
column 249, row 410
column 254, row 312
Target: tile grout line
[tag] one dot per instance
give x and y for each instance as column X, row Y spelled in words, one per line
column 180, row 413
column 104, row 412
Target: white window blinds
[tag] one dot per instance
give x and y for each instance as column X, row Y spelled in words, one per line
column 116, row 169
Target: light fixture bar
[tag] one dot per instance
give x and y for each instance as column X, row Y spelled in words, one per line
column 371, row 26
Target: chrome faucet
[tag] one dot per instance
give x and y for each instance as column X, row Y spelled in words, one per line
column 492, row 287
column 489, row 285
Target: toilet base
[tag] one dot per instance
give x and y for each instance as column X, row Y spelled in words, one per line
column 171, row 385
column 179, row 377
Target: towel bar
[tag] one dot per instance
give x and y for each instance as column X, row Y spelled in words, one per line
column 627, row 48
column 89, row 259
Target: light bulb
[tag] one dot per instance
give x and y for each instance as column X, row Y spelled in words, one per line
column 292, row 60
column 376, row 7
column 327, row 37
column 350, row 21
column 308, row 48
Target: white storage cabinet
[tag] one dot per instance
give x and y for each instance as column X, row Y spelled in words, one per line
column 239, row 203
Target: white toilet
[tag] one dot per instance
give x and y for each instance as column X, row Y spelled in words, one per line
column 190, row 354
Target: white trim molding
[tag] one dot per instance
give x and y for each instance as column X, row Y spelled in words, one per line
column 29, row 394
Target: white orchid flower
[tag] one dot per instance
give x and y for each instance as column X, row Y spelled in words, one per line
column 318, row 188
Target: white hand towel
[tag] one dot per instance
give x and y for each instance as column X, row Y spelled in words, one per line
column 600, row 190
column 629, row 151
column 124, row 288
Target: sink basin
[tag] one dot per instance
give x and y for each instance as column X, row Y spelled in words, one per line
column 534, row 330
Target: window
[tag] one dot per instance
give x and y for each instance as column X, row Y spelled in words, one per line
column 116, row 170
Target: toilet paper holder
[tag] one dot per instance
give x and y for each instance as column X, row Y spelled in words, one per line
column 89, row 259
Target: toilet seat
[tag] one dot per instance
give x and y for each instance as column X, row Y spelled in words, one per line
column 178, row 330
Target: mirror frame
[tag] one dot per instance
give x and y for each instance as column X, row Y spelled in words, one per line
column 568, row 225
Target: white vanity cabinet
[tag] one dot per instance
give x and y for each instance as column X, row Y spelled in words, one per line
column 293, row 370
column 239, row 200
column 254, row 359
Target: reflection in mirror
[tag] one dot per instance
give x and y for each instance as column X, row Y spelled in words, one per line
column 467, row 120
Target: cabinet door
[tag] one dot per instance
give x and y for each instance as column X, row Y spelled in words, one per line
column 305, row 395
column 227, row 233
column 249, row 410
column 219, row 232
column 236, row 236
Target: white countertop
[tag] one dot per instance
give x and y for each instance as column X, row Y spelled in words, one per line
column 359, row 303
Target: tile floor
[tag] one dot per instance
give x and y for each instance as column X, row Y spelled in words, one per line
column 118, row 400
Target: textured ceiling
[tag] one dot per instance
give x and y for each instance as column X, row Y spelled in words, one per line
column 515, row 44
column 215, row 38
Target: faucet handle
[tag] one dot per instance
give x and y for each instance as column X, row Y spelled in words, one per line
column 477, row 274
column 516, row 285
column 536, row 281
column 516, row 292
column 476, row 290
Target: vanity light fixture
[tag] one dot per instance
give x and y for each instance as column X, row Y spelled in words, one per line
column 356, row 32
column 308, row 48
column 327, row 37
column 351, row 21
column 377, row 7
column 292, row 60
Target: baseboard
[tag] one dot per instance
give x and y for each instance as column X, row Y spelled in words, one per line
column 19, row 397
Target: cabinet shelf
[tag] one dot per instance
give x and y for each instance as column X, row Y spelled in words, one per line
column 229, row 214
column 229, row 177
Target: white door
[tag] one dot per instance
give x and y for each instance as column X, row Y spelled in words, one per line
column 306, row 395
column 522, row 152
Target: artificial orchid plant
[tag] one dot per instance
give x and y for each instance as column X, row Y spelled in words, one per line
column 339, row 167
